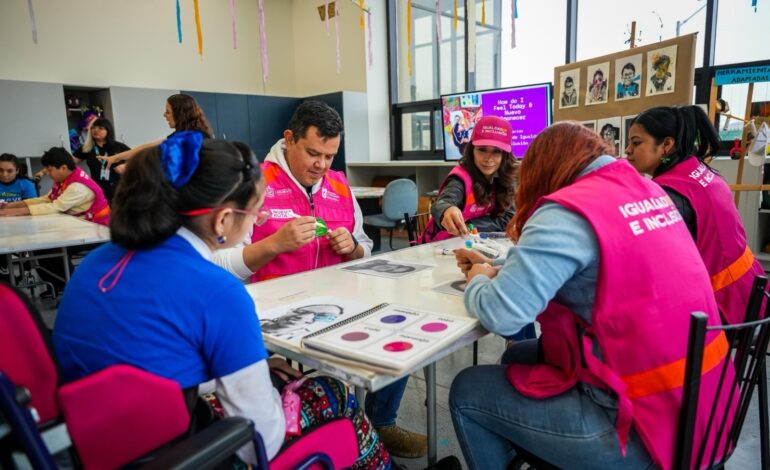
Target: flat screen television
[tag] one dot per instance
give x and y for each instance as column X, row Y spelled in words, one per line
column 527, row 108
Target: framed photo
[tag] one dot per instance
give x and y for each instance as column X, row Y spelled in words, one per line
column 569, row 83
column 624, row 131
column 589, row 124
column 597, row 77
column 628, row 78
column 609, row 130
column 661, row 70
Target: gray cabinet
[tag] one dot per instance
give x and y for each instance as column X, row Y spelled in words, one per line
column 138, row 114
column 32, row 117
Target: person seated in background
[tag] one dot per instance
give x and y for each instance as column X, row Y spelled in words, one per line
column 300, row 186
column 101, row 142
column 73, row 192
column 13, row 186
column 582, row 396
column 172, row 312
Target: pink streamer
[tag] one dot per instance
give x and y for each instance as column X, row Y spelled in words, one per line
column 438, row 20
column 337, row 32
column 513, row 24
column 369, row 25
column 263, row 41
column 232, row 22
column 326, row 15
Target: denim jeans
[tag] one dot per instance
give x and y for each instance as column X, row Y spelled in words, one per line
column 528, row 332
column 574, row 430
column 382, row 406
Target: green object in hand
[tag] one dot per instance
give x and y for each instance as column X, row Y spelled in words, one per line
column 320, row 227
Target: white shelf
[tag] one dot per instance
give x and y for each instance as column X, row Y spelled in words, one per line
column 764, row 211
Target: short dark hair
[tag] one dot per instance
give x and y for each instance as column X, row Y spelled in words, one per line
column 56, row 157
column 569, row 81
column 629, row 65
column 146, row 209
column 9, row 157
column 316, row 114
column 105, row 124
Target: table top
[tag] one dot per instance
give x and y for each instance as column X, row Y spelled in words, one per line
column 40, row 232
column 367, row 192
column 414, row 290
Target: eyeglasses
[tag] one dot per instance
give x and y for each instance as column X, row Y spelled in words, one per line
column 260, row 217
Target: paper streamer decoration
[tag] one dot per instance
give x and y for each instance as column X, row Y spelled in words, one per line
column 438, row 20
column 409, row 36
column 32, row 20
column 232, row 23
column 263, row 40
column 514, row 15
column 337, row 34
column 198, row 28
column 178, row 22
column 483, row 12
column 326, row 15
column 454, row 17
column 361, row 16
column 369, row 25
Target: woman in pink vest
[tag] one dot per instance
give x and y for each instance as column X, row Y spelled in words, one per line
column 480, row 188
column 600, row 388
column 670, row 144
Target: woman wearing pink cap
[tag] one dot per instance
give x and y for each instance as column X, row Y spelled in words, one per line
column 480, row 190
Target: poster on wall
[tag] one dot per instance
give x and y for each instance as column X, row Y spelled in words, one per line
column 570, row 86
column 628, row 77
column 626, row 126
column 589, row 124
column 609, row 131
column 661, row 68
column 597, row 76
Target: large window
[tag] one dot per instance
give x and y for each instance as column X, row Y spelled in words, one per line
column 741, row 32
column 488, row 48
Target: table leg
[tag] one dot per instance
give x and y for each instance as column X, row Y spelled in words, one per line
column 430, row 389
column 66, row 265
column 360, row 395
column 10, row 269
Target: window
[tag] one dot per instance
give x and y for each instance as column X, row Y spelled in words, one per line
column 735, row 96
column 488, row 39
column 741, row 33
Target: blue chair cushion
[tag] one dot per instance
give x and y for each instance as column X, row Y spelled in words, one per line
column 379, row 220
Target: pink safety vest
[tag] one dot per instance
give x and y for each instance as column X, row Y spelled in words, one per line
column 470, row 211
column 333, row 203
column 99, row 212
column 721, row 237
column 650, row 279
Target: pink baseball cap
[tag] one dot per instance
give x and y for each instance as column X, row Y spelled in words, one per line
column 492, row 131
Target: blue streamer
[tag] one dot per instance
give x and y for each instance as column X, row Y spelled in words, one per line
column 516, row 8
column 178, row 22
column 179, row 156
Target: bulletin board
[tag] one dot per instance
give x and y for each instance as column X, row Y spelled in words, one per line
column 663, row 74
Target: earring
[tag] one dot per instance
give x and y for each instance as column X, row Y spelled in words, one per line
column 221, row 239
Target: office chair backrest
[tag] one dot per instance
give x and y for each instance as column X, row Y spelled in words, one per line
column 415, row 226
column 400, row 197
column 334, row 443
column 748, row 344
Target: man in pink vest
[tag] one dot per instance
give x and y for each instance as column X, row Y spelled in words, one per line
column 73, row 192
column 300, row 187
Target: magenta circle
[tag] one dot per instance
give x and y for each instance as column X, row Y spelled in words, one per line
column 355, row 336
column 398, row 346
column 434, row 327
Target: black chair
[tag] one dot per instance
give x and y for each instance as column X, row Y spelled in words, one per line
column 415, row 226
column 748, row 349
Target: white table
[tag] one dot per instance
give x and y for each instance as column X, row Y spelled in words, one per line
column 414, row 291
column 42, row 232
column 367, row 192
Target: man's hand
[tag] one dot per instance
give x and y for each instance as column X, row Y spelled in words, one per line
column 282, row 369
column 453, row 222
column 341, row 241
column 467, row 258
column 483, row 268
column 295, row 234
column 111, row 160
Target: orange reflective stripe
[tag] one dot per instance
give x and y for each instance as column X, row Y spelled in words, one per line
column 671, row 375
column 735, row 271
column 270, row 173
column 470, row 199
column 103, row 213
column 339, row 187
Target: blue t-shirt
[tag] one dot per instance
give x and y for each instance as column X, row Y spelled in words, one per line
column 171, row 312
column 20, row 188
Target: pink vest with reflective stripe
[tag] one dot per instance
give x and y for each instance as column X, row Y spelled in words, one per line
column 333, row 203
column 99, row 212
column 650, row 279
column 470, row 211
column 721, row 238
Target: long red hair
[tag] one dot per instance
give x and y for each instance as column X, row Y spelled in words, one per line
column 553, row 160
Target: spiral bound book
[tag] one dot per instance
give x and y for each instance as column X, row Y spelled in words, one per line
column 389, row 336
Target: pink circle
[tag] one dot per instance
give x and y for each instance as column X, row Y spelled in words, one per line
column 355, row 336
column 397, row 346
column 434, row 327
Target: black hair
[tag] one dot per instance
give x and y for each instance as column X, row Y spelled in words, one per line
column 316, row 114
column 146, row 209
column 689, row 126
column 569, row 81
column 9, row 157
column 56, row 157
column 105, row 124
column 629, row 65
column 615, row 130
column 502, row 189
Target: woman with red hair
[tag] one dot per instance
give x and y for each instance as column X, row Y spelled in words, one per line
column 598, row 247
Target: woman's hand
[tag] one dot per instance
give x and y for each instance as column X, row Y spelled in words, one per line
column 467, row 258
column 453, row 221
column 485, row 269
column 282, row 369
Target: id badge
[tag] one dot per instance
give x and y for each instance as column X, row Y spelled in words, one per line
column 104, row 174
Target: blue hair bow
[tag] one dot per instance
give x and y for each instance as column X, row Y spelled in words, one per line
column 179, row 156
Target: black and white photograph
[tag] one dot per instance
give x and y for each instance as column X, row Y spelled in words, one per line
column 661, row 68
column 569, row 81
column 589, row 124
column 455, row 287
column 609, row 130
column 386, row 268
column 624, row 131
column 294, row 321
column 597, row 76
column 628, row 78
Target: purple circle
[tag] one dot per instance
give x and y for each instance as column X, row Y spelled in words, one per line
column 393, row 319
column 355, row 336
column 434, row 327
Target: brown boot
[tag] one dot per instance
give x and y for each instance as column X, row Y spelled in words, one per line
column 403, row 443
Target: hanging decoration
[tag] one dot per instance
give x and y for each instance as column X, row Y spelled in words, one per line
column 263, row 40
column 337, row 34
column 454, row 16
column 198, row 28
column 514, row 15
column 361, row 16
column 754, row 4
column 483, row 12
column 369, row 40
column 32, row 20
column 178, row 22
column 409, row 36
column 232, row 23
column 326, row 15
column 438, row 20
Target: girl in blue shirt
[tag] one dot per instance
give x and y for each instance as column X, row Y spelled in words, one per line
column 12, row 186
column 153, row 299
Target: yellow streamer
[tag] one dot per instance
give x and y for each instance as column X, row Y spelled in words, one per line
column 455, row 16
column 409, row 35
column 361, row 17
column 483, row 12
column 198, row 28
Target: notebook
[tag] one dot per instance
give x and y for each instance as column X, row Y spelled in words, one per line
column 388, row 336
